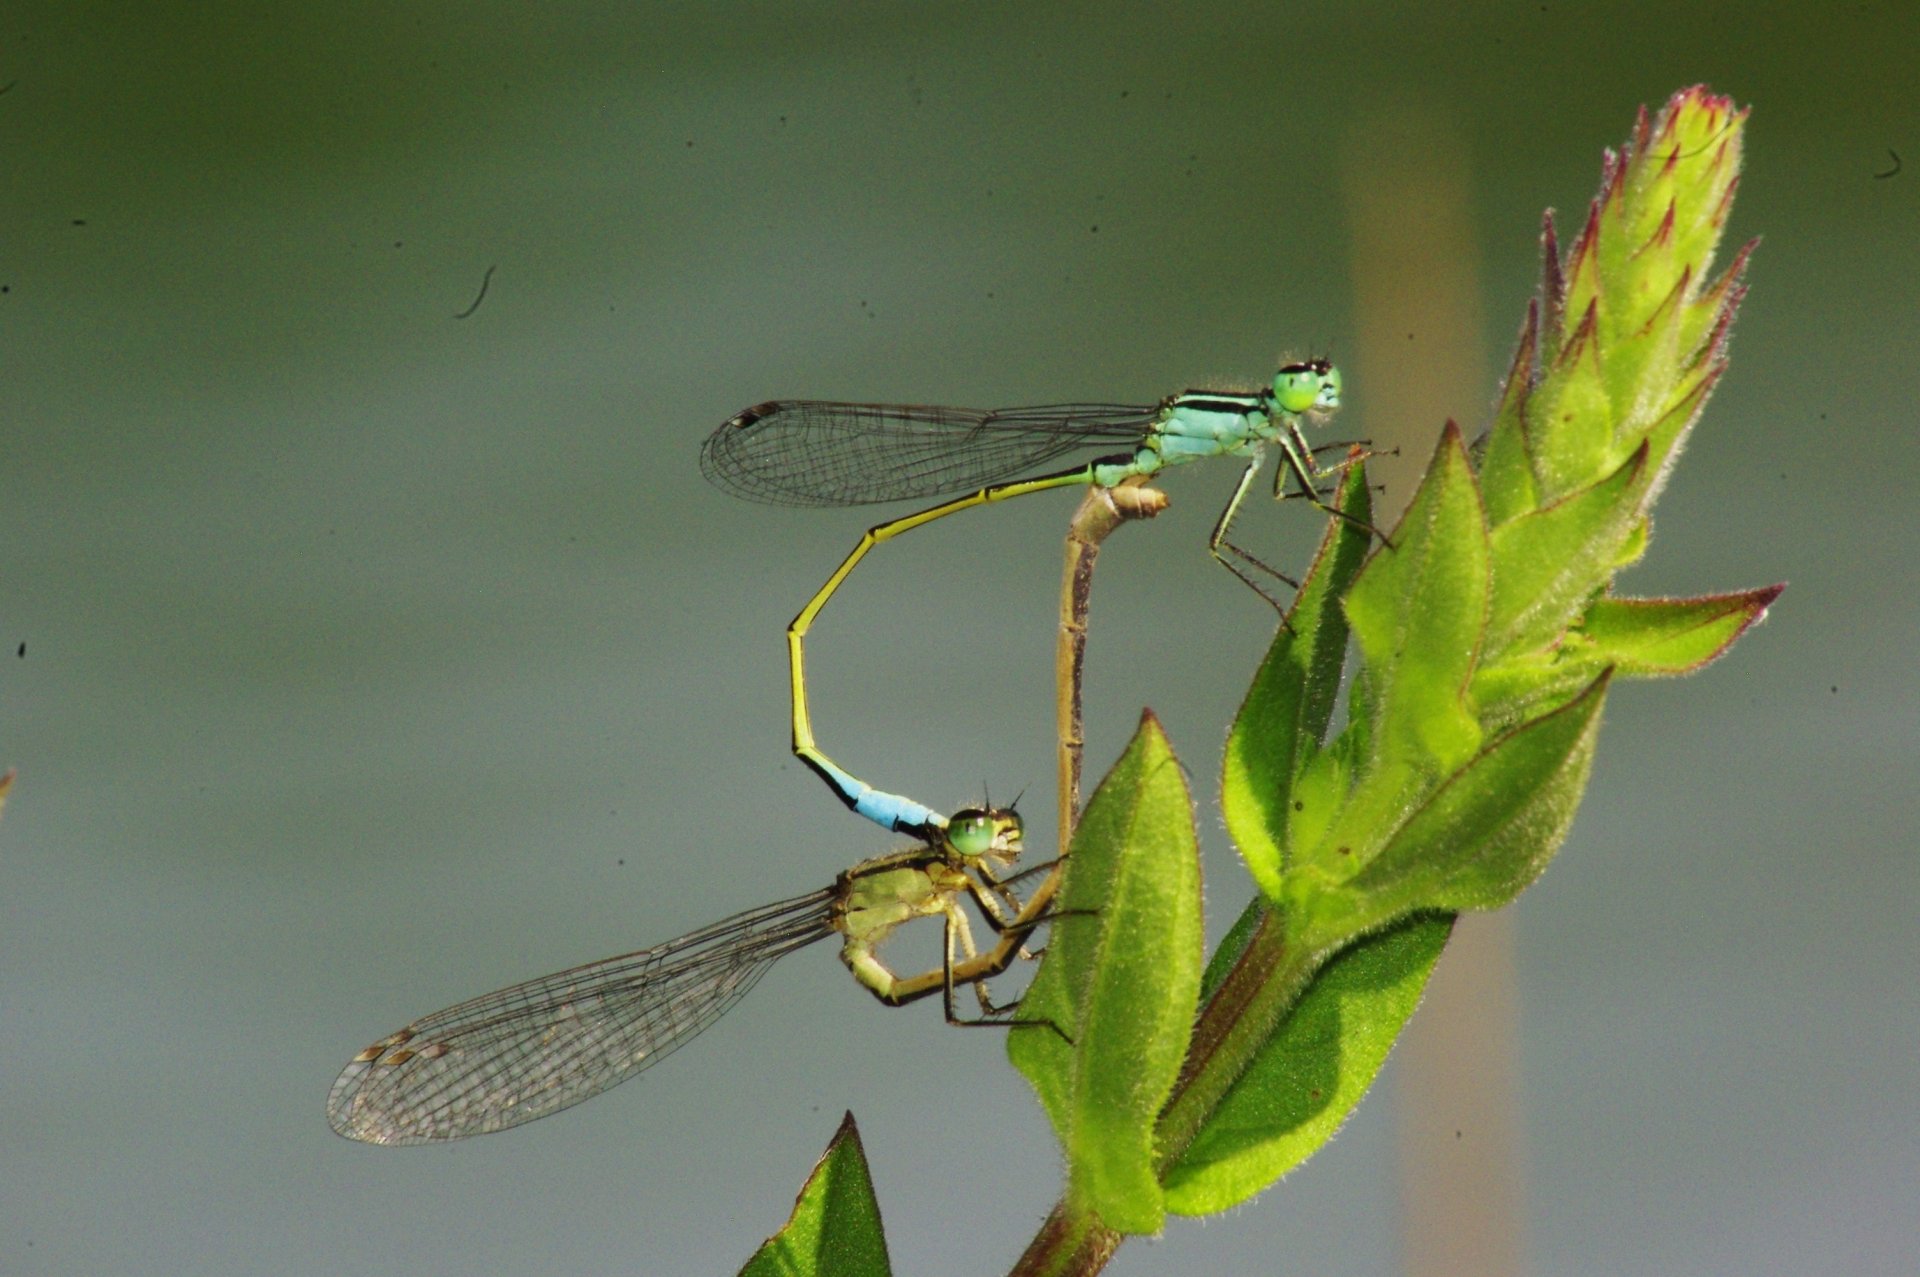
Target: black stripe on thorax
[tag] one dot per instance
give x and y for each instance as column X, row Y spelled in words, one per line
column 1215, row 401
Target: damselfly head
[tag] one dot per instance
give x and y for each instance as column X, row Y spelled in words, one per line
column 1306, row 387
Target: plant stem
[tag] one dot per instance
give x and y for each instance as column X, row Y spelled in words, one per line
column 1236, row 1022
column 1072, row 1243
column 1100, row 512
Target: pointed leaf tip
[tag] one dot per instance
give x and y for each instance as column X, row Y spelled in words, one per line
column 1662, row 638
column 1553, row 288
column 835, row 1225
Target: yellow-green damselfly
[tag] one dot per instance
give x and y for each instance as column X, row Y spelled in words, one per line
column 527, row 1051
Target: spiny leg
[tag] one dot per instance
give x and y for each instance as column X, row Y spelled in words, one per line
column 1358, row 450
column 1219, row 541
column 1298, row 460
column 1018, row 924
column 958, row 927
column 1000, row 886
column 1024, row 924
column 1002, row 890
column 993, row 1015
column 992, row 891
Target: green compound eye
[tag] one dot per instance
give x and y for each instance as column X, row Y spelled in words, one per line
column 970, row 833
column 973, row 833
column 1300, row 388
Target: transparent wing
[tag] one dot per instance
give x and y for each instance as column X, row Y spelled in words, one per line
column 522, row 1053
column 807, row 452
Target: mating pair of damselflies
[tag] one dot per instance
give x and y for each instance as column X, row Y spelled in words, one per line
column 533, row 1049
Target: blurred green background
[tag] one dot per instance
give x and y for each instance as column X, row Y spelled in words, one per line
column 374, row 659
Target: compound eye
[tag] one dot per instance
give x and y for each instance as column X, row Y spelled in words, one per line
column 970, row 833
column 1299, row 388
column 1296, row 389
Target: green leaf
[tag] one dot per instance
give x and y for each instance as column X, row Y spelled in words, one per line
column 1522, row 688
column 1689, row 161
column 1665, row 435
column 1572, row 414
column 1633, row 336
column 1506, row 467
column 1548, row 563
column 1418, row 612
column 1286, row 711
column 1231, row 945
column 1652, row 638
column 1312, row 1072
column 1120, row 983
column 1490, row 830
column 1651, row 355
column 1582, row 270
column 835, row 1227
column 1635, row 546
column 1708, row 317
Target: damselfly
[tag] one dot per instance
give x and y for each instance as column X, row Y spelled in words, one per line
column 807, row 452
column 536, row 1048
